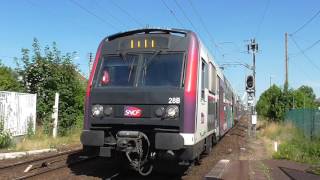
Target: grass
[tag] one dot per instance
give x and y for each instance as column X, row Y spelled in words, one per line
column 41, row 141
column 279, row 131
column 293, row 145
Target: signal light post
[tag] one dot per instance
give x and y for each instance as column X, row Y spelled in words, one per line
column 251, row 87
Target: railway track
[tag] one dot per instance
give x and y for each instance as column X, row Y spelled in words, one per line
column 42, row 165
column 75, row 165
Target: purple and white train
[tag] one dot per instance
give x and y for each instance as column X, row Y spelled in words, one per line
column 154, row 93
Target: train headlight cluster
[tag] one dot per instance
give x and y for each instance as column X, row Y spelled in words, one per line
column 97, row 110
column 160, row 112
column 108, row 110
column 172, row 111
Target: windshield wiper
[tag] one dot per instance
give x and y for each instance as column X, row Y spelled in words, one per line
column 124, row 58
column 131, row 68
column 123, row 55
column 148, row 61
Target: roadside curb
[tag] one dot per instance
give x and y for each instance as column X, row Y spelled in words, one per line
column 14, row 155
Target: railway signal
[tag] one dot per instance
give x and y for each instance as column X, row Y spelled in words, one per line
column 250, row 84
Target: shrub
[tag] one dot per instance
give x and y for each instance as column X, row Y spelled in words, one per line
column 5, row 136
column 295, row 146
column 30, row 130
column 300, row 150
column 47, row 72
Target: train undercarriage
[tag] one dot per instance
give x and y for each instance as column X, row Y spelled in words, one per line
column 140, row 151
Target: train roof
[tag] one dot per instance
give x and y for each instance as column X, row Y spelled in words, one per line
column 149, row 31
column 176, row 31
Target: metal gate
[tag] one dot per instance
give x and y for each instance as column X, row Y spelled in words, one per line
column 18, row 111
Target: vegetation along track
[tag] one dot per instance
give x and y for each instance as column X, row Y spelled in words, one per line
column 35, row 167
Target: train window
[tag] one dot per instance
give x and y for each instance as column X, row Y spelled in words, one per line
column 117, row 71
column 213, row 87
column 161, row 70
column 204, row 77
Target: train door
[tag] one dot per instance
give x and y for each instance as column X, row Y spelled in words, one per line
column 221, row 107
column 203, row 100
column 212, row 101
column 218, row 106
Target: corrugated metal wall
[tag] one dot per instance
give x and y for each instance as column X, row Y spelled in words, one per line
column 17, row 110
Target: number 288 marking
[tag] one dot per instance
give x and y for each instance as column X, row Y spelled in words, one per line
column 174, row 100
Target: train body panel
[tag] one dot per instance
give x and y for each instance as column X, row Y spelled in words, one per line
column 154, row 93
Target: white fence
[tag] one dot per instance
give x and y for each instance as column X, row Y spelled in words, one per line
column 17, row 110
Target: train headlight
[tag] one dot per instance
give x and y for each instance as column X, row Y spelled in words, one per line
column 108, row 110
column 172, row 111
column 97, row 110
column 160, row 112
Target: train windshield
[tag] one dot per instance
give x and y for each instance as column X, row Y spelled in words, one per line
column 118, row 70
column 161, row 70
column 141, row 70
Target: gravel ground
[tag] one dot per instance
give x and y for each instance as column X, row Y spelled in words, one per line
column 227, row 148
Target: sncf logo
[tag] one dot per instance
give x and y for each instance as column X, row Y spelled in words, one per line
column 131, row 111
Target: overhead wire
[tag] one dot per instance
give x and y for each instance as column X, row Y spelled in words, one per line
column 302, row 70
column 185, row 15
column 304, row 54
column 173, row 13
column 306, row 23
column 94, row 15
column 105, row 10
column 127, row 13
column 72, row 21
column 193, row 26
column 204, row 26
column 306, row 49
column 312, row 45
column 263, row 17
column 54, row 13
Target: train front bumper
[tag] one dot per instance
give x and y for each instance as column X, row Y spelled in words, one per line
column 92, row 138
column 162, row 141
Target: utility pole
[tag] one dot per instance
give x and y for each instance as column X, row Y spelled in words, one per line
column 253, row 47
column 286, row 83
column 270, row 82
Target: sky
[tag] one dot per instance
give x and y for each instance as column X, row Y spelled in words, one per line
column 225, row 26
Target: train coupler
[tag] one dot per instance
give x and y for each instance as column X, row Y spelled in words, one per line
column 136, row 146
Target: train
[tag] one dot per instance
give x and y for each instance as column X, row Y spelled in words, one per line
column 155, row 93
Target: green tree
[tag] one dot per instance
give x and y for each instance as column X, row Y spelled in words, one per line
column 9, row 79
column 50, row 72
column 270, row 103
column 275, row 102
column 304, row 97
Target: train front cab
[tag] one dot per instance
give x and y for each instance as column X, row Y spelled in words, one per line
column 152, row 94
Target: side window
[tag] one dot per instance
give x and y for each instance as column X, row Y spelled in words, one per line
column 204, row 77
column 214, row 78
